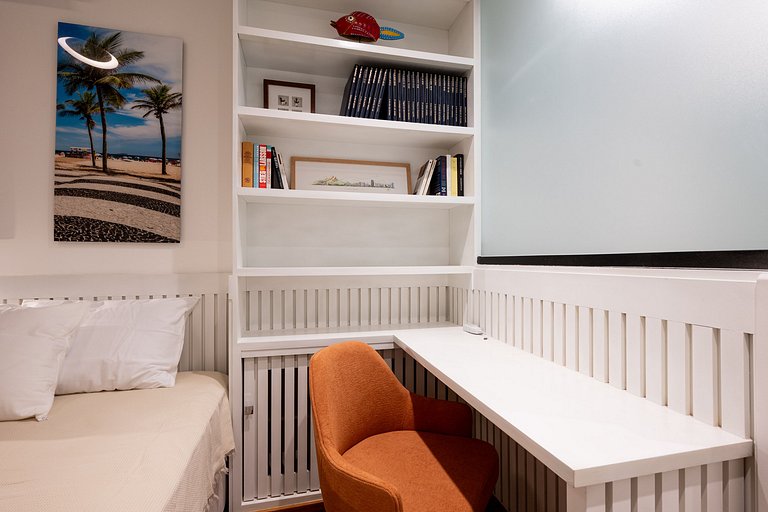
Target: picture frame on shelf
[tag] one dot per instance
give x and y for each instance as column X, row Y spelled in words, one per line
column 339, row 175
column 289, row 96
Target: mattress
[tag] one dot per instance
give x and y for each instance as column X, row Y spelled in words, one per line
column 143, row 450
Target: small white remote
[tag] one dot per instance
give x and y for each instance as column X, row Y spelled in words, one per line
column 473, row 329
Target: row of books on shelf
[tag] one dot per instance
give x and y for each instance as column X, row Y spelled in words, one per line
column 405, row 95
column 441, row 176
column 262, row 166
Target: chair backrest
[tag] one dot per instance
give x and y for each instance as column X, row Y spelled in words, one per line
column 354, row 395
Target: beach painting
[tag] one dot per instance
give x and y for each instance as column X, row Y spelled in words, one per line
column 118, row 136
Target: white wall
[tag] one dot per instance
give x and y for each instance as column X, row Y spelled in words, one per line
column 624, row 126
column 27, row 129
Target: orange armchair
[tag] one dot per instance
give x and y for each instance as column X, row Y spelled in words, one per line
column 381, row 448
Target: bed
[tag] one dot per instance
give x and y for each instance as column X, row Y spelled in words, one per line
column 141, row 450
column 148, row 450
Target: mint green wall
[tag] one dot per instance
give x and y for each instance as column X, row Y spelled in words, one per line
column 624, row 126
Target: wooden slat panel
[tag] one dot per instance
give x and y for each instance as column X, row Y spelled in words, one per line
column 600, row 344
column 355, row 300
column 552, row 491
column 262, row 416
column 670, row 491
column 536, row 331
column 584, row 342
column 735, row 382
column 530, row 482
column 275, row 413
column 289, row 430
column 333, row 307
column 622, row 495
column 312, row 318
column 617, row 350
column 289, row 306
column 547, row 330
column 521, row 477
column 303, row 420
column 646, row 493
column 571, row 337
column 344, row 298
column 301, row 308
column 278, row 309
column 705, row 378
column 509, row 319
column 541, row 488
column 679, row 367
column 575, row 499
column 265, row 311
column 734, row 487
column 714, row 492
column 527, row 324
column 196, row 316
column 504, row 475
column 424, row 304
column 636, row 355
column 595, row 498
column 323, row 298
column 519, row 321
column 208, row 305
column 656, row 360
column 249, row 455
column 693, row 489
column 558, row 333
column 366, row 307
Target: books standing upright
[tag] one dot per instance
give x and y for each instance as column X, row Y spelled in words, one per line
column 247, row 164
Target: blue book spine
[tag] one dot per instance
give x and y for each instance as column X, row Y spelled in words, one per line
column 444, row 170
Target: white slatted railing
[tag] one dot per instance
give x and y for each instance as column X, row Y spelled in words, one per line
column 272, row 304
column 205, row 336
column 597, row 325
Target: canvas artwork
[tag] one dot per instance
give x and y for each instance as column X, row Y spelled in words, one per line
column 118, row 136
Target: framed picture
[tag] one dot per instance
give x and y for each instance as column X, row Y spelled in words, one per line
column 289, row 96
column 118, row 136
column 350, row 175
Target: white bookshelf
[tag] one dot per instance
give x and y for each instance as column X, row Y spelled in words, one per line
column 336, row 256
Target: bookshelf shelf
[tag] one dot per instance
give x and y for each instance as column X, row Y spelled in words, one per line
column 322, row 198
column 324, row 127
column 286, row 51
column 443, row 270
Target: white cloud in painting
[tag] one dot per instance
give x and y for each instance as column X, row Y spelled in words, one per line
column 162, row 56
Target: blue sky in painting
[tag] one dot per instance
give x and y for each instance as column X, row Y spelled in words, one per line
column 127, row 131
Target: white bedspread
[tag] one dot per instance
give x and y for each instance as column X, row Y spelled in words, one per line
column 144, row 450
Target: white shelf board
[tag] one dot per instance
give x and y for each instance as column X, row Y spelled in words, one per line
column 586, row 431
column 303, row 341
column 353, row 271
column 263, row 122
column 439, row 14
column 301, row 53
column 324, row 198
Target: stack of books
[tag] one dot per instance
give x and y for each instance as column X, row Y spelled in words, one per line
column 441, row 176
column 262, row 167
column 405, row 95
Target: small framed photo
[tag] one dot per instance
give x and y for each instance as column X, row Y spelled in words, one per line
column 289, row 96
column 337, row 175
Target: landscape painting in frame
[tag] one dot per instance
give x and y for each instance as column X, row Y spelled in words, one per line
column 118, row 136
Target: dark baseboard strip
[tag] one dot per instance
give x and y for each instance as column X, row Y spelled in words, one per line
column 745, row 260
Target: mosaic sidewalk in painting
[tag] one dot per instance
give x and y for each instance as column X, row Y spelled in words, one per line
column 92, row 207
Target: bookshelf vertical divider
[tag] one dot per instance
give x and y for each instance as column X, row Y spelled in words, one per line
column 312, row 261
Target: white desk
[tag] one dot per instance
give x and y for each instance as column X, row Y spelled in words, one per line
column 586, row 431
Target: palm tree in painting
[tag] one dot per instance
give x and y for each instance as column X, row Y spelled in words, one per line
column 159, row 100
column 107, row 83
column 84, row 107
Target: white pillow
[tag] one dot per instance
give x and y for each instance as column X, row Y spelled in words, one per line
column 32, row 347
column 125, row 344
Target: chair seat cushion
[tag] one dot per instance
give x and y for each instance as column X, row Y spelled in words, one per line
column 432, row 472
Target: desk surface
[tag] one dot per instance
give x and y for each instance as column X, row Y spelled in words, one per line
column 586, row 431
